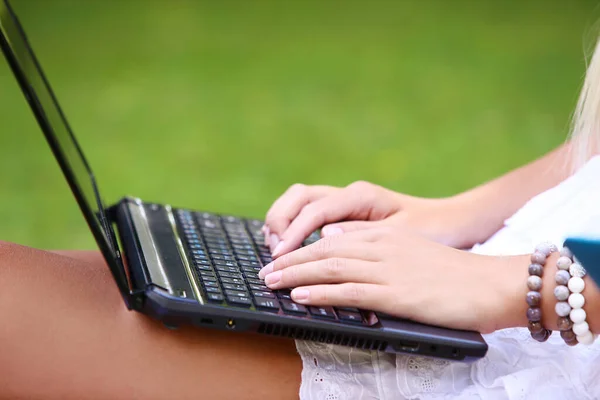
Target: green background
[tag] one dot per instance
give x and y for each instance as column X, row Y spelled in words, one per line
column 222, row 105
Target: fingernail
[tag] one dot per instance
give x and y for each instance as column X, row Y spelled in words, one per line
column 267, row 269
column 273, row 278
column 300, row 295
column 273, row 240
column 332, row 230
column 263, row 229
column 278, row 249
column 267, row 235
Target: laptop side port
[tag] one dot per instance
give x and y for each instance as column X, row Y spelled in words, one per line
column 230, row 324
column 407, row 346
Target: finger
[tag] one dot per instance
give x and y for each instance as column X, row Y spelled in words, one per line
column 331, row 270
column 357, row 295
column 355, row 245
column 288, row 205
column 350, row 226
column 344, row 204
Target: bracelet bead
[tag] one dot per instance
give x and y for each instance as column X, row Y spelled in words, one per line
column 534, row 314
column 577, row 315
column 562, row 277
column 561, row 293
column 546, row 248
column 568, row 335
column 562, row 308
column 576, row 300
column 536, row 269
column 534, row 282
column 576, row 270
column 534, row 298
column 564, row 263
column 564, row 324
column 581, row 328
column 538, row 258
column 534, row 326
column 586, row 338
column 576, row 285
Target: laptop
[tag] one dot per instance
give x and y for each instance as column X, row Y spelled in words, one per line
column 188, row 267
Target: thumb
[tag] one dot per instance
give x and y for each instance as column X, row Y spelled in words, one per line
column 350, row 226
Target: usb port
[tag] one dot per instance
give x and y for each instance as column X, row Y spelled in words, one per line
column 408, row 347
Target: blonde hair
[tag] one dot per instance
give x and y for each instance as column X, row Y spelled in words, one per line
column 585, row 126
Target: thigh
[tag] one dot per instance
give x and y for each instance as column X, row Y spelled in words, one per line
column 65, row 333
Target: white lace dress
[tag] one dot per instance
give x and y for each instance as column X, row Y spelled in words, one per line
column 516, row 366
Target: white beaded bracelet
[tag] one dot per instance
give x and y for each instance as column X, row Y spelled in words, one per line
column 570, row 285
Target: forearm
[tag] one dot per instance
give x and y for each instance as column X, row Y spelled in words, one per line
column 493, row 202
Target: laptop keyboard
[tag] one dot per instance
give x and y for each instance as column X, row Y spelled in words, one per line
column 227, row 253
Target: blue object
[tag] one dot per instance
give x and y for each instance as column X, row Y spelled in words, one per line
column 587, row 251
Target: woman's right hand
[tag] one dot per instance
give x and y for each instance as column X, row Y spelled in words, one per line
column 303, row 209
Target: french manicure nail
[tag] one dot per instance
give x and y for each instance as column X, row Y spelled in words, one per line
column 267, row 269
column 273, row 278
column 300, row 295
column 267, row 236
column 273, row 240
column 332, row 230
column 278, row 249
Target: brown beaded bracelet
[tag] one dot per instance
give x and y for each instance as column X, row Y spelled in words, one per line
column 534, row 297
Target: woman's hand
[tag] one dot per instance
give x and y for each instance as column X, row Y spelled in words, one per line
column 303, row 209
column 403, row 274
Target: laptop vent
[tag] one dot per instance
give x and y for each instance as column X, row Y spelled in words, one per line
column 318, row 335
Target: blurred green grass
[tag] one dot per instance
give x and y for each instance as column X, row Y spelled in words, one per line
column 220, row 105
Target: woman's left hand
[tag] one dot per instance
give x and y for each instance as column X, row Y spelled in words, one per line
column 402, row 274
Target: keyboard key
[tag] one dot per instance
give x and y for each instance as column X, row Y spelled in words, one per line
column 252, row 265
column 206, row 278
column 201, row 262
column 232, row 275
column 234, row 286
column 283, row 294
column 210, row 284
column 223, row 258
column 247, row 259
column 258, row 287
column 255, row 281
column 322, row 312
column 258, row 293
column 216, row 297
column 234, row 293
column 233, row 281
column 266, row 304
column 210, row 289
column 292, row 308
column 240, row 300
column 204, row 267
column 351, row 309
column 223, row 263
column 207, row 274
column 245, row 253
column 349, row 316
column 222, row 268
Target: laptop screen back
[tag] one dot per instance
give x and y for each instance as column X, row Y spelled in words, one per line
column 57, row 131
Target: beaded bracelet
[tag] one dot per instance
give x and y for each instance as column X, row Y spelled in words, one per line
column 534, row 297
column 562, row 293
column 572, row 317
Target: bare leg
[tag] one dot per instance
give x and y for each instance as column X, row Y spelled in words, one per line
column 66, row 334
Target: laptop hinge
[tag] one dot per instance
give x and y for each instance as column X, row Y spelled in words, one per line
column 135, row 297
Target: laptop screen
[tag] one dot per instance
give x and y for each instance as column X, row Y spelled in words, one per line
column 57, row 131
